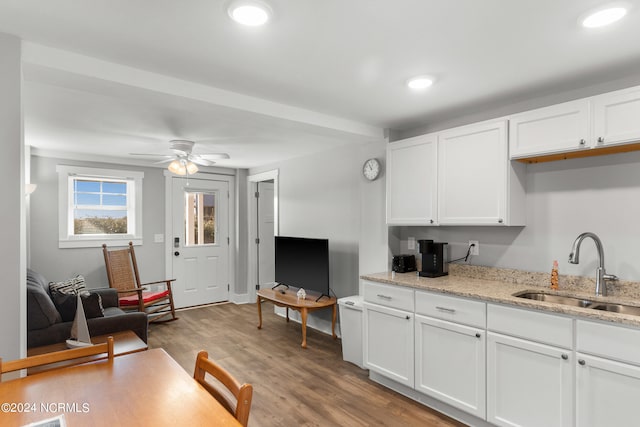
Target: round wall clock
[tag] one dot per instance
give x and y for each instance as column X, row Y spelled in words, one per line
column 371, row 169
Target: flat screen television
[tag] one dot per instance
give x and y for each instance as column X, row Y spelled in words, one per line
column 303, row 263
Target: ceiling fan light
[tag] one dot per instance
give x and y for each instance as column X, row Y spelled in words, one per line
column 191, row 168
column 177, row 167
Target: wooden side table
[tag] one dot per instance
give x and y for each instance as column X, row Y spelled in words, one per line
column 124, row 342
column 288, row 299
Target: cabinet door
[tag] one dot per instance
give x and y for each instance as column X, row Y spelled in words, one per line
column 559, row 128
column 388, row 342
column 411, row 181
column 450, row 363
column 528, row 384
column 607, row 392
column 616, row 117
column 472, row 174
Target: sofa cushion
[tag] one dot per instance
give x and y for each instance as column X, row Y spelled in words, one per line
column 70, row 286
column 41, row 312
column 66, row 305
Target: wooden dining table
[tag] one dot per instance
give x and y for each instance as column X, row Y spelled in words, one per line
column 139, row 389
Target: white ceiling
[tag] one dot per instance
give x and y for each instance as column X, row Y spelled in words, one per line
column 110, row 77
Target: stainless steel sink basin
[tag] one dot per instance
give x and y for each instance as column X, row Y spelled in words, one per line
column 557, row 299
column 580, row 302
column 618, row 308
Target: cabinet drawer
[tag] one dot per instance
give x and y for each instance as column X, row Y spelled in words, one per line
column 454, row 309
column 615, row 342
column 531, row 325
column 389, row 295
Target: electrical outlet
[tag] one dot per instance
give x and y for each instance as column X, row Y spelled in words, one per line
column 475, row 250
column 411, row 243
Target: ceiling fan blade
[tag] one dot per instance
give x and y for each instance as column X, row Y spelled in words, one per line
column 160, row 162
column 150, row 154
column 214, row 156
column 200, row 161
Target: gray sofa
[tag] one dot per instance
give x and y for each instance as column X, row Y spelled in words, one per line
column 45, row 325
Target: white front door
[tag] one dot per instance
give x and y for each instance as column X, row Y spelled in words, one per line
column 200, row 240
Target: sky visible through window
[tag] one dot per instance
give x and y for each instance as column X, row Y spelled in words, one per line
column 99, row 199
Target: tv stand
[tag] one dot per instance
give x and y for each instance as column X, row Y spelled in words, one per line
column 290, row 300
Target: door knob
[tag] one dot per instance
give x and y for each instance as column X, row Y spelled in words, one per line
column 176, row 253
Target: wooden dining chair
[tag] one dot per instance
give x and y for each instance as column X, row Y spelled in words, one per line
column 70, row 357
column 123, row 275
column 240, row 404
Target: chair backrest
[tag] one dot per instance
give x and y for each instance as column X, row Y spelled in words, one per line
column 122, row 269
column 58, row 356
column 242, row 393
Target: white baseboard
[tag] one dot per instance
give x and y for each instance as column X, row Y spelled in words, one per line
column 240, row 299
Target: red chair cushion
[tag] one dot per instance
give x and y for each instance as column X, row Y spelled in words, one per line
column 146, row 297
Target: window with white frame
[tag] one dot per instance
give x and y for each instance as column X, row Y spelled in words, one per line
column 99, row 206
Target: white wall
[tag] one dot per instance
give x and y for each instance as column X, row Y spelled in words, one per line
column 324, row 195
column 60, row 264
column 12, row 214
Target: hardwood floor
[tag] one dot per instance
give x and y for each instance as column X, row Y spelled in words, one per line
column 292, row 386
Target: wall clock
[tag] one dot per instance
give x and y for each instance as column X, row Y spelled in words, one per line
column 371, row 169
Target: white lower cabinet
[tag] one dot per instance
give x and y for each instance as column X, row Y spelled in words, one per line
column 388, row 342
column 528, row 383
column 607, row 374
column 607, row 392
column 450, row 363
column 502, row 365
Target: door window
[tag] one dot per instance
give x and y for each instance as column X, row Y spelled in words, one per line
column 200, row 218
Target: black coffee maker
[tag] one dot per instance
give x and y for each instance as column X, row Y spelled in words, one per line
column 435, row 262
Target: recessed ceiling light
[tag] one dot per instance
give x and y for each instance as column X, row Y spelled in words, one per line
column 420, row 82
column 603, row 17
column 252, row 13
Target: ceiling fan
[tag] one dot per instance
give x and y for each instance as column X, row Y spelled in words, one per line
column 183, row 161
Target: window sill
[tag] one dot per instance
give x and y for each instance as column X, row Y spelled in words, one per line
column 98, row 242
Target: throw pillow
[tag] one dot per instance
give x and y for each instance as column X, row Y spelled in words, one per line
column 67, row 304
column 70, row 286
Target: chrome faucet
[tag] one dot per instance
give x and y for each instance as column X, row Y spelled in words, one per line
column 601, row 274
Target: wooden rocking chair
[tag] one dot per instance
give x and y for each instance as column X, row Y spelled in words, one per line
column 122, row 272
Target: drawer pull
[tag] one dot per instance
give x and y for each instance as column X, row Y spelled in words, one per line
column 565, row 357
column 582, row 362
column 448, row 310
column 387, row 297
column 407, row 317
column 478, row 335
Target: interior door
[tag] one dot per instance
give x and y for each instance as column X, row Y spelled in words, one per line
column 266, row 247
column 200, row 218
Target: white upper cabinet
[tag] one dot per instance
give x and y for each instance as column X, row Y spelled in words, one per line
column 616, row 117
column 411, row 181
column 559, row 128
column 578, row 127
column 477, row 185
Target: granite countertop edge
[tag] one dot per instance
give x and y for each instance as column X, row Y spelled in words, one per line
column 503, row 293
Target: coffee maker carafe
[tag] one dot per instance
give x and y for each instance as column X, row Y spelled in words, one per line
column 435, row 262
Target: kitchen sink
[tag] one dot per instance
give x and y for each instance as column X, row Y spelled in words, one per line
column 580, row 302
column 618, row 308
column 557, row 299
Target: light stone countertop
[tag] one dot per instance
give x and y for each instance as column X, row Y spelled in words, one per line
column 502, row 284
